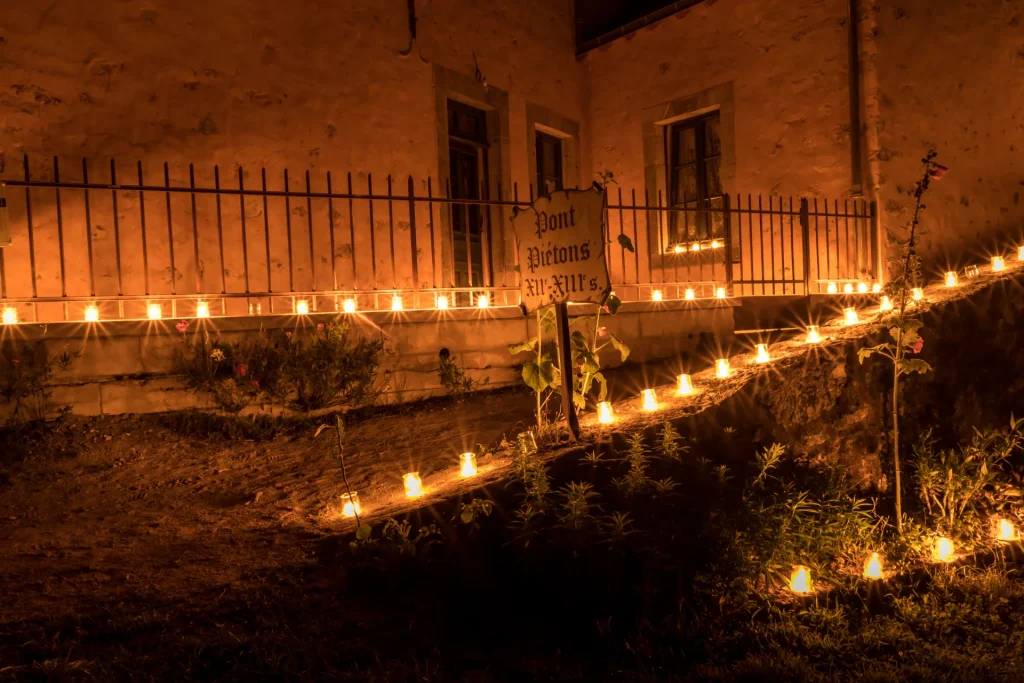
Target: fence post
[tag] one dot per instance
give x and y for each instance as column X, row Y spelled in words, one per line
column 876, row 255
column 805, row 235
column 727, row 237
column 412, row 237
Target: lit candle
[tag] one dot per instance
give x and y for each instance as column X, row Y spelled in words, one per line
column 604, row 413
column 202, row 309
column 1020, row 253
column 917, row 293
column 396, row 303
column 413, row 484
column 92, row 313
column 442, row 302
column 715, row 244
column 943, row 550
column 685, row 385
column 762, row 354
column 10, row 315
column 350, row 505
column 951, row 279
column 1005, row 531
column 690, row 296
column 833, row 288
column 695, row 246
column 155, row 311
column 873, row 567
column 998, row 263
column 483, row 301
column 679, row 249
column 722, row 368
column 650, row 400
column 862, row 288
column 885, row 304
column 850, row 316
column 876, row 288
column 467, row 463
column 349, row 305
column 848, row 288
column 301, row 307
column 656, row 295
column 800, row 580
column 720, row 293
column 812, row 334
column 971, row 271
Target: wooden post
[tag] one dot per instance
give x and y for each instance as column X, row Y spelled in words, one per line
column 565, row 366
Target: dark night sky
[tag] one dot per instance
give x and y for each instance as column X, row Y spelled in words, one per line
column 597, row 17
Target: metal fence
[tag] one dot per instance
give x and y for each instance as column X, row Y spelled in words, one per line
column 255, row 245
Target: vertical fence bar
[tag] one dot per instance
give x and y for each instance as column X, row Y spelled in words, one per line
column 792, row 247
column 469, row 250
column 245, row 234
column 352, row 231
column 288, row 226
column 309, row 223
column 195, row 230
column 727, row 242
column 876, row 255
column 750, row 238
column 846, row 224
column 142, row 227
column 622, row 232
column 373, row 230
column 501, row 225
column 817, row 247
column 391, row 235
column 220, row 231
column 88, row 228
column 3, row 265
column 739, row 241
column 412, row 239
column 117, row 228
column 516, row 278
column 828, row 243
column 636, row 240
column 856, row 239
column 760, row 236
column 31, row 231
column 60, row 229
column 266, row 232
column 661, row 251
column 330, row 225
column 170, row 228
column 805, row 229
column 433, row 247
column 451, row 226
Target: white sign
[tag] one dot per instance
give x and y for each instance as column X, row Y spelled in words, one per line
column 561, row 249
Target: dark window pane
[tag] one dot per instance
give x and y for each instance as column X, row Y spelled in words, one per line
column 686, row 185
column 717, row 218
column 712, row 143
column 686, row 144
column 712, row 177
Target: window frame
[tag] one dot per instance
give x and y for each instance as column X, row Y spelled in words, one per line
column 700, row 161
column 540, row 139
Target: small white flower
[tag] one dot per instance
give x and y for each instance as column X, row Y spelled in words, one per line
column 217, row 355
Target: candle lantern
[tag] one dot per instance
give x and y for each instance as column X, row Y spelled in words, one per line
column 656, row 295
column 848, row 288
column 943, row 550
column 800, row 580
column 650, row 400
column 1006, row 532
column 1020, row 253
column 833, row 288
column 679, row 249
column 302, row 307
column 155, row 311
column 971, row 271
column 722, row 368
column 695, row 246
column 762, row 354
column 442, row 302
column 850, row 316
column 685, row 385
column 350, row 505
column 604, row 413
column 951, row 279
column 396, row 303
column 202, row 309
column 720, row 293
column 876, row 288
column 916, row 293
column 349, row 305
column 467, row 464
column 92, row 313
column 873, row 567
column 690, row 296
column 483, row 301
column 885, row 304
column 813, row 337
column 998, row 263
column 715, row 244
column 862, row 288
column 413, row 484
column 9, row 315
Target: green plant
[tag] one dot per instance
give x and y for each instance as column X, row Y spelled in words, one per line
column 668, row 444
column 454, row 379
column 903, row 328
column 636, row 477
column 540, row 372
column 362, row 531
column 233, row 374
column 586, row 349
column 26, row 374
column 577, row 506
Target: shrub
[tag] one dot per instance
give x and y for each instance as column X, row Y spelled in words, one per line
column 453, row 378
column 26, row 372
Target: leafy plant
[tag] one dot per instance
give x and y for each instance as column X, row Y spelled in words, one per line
column 636, row 477
column 668, row 444
column 454, row 379
column 903, row 328
column 234, row 374
column 362, row 531
column 577, row 506
column 26, row 374
column 540, row 373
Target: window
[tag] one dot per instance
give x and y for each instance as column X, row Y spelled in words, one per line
column 694, row 159
column 467, row 153
column 549, row 164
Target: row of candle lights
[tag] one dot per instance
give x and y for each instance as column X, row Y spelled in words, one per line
column 689, row 294
column 943, row 550
column 696, row 246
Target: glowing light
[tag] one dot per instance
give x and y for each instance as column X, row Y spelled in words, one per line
column 467, row 464
column 862, row 288
column 722, row 368
column 690, row 295
column 762, row 354
column 1006, row 532
column 442, row 302
column 850, row 316
column 155, row 311
column 813, row 337
column 833, row 288
column 800, row 580
column 951, row 279
column 679, row 249
column 10, row 315
column 604, row 413
column 998, row 263
column 202, row 309
column 848, row 288
column 255, row 309
column 720, row 293
column 685, row 385
column 695, row 246
column 413, row 484
column 1020, row 253
column 396, row 303
column 349, row 305
column 916, row 293
column 92, row 313
column 302, row 307
column 971, row 271
column 885, row 304
column 650, row 400
column 876, row 288
column 873, row 567
column 656, row 295
column 715, row 244
column 483, row 301
column 943, row 550
column 350, row 505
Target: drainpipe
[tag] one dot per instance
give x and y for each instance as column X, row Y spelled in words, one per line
column 857, row 187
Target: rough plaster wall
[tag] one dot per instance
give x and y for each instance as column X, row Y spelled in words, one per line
column 951, row 77
column 317, row 85
column 787, row 62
